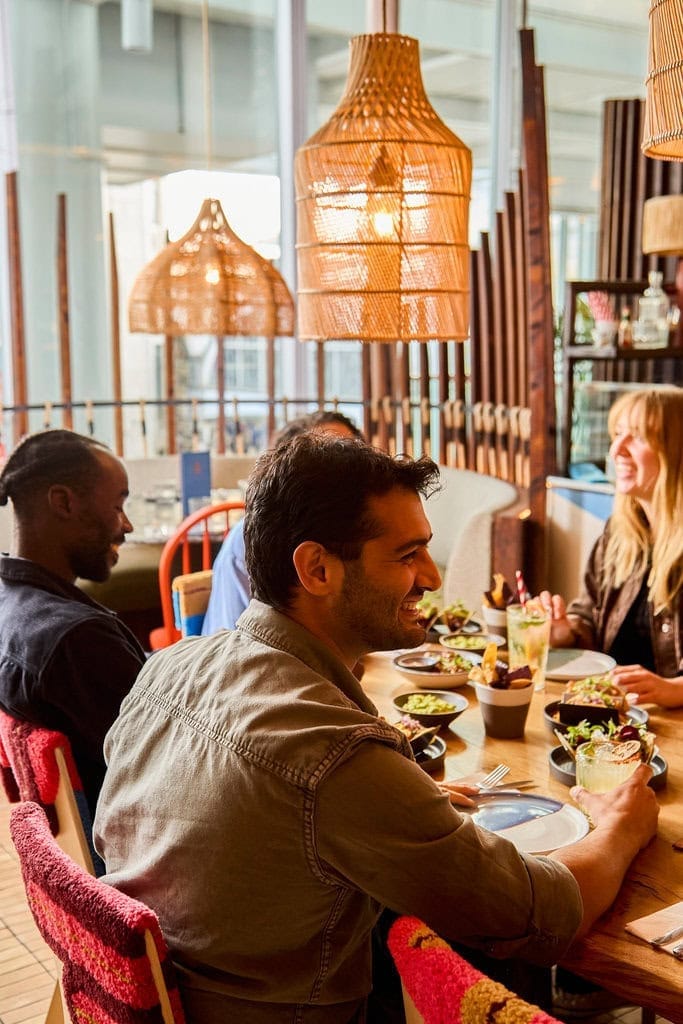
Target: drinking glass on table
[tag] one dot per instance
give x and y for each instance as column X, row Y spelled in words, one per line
column 602, row 766
column 529, row 639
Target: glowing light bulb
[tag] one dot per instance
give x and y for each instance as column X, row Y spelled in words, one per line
column 383, row 223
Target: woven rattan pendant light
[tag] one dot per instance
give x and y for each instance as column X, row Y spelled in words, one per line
column 382, row 193
column 210, row 281
column 663, row 122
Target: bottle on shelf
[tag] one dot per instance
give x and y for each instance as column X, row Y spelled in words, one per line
column 651, row 329
column 625, row 331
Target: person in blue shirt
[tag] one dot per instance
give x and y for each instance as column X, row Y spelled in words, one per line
column 230, row 586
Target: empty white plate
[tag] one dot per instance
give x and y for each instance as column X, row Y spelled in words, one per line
column 565, row 663
column 535, row 824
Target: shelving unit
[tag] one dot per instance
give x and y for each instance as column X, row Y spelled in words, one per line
column 616, row 365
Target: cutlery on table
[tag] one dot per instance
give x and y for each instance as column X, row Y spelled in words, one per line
column 494, row 777
column 663, row 940
column 518, row 784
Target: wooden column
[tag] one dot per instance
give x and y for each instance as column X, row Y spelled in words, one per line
column 63, row 313
column 542, row 454
column 16, row 297
column 220, row 387
column 115, row 339
column 169, row 376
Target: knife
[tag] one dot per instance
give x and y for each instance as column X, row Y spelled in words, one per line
column 662, row 940
column 507, row 786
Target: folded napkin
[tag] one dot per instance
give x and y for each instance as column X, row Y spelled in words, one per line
column 657, row 924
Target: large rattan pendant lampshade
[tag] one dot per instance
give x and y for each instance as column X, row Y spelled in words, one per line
column 211, row 282
column 663, row 122
column 382, row 193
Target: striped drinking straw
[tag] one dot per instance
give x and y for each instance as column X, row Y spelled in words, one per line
column 522, row 591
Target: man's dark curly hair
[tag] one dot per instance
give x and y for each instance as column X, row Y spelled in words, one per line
column 317, row 487
column 313, row 421
column 46, row 458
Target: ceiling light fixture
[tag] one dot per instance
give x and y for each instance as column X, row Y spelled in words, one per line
column 382, row 194
column 210, row 281
column 663, row 121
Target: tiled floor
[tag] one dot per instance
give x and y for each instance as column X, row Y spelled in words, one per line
column 27, row 967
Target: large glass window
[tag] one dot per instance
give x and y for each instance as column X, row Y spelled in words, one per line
column 123, row 132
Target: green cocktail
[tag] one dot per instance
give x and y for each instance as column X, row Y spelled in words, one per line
column 529, row 639
column 602, row 766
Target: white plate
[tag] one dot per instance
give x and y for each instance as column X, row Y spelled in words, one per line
column 565, row 663
column 535, row 824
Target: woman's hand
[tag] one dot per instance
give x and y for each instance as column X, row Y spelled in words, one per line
column 561, row 632
column 649, row 688
column 459, row 795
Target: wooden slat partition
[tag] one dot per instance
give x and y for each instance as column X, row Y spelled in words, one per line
column 542, row 438
column 521, row 396
column 628, row 179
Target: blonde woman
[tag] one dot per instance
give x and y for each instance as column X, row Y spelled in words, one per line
column 632, row 604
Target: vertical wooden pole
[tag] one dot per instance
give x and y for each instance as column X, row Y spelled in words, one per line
column 366, row 377
column 115, row 339
column 169, row 375
column 63, row 313
column 403, row 396
column 220, row 385
column 320, row 364
column 19, row 384
column 270, row 386
column 445, row 418
column 542, row 455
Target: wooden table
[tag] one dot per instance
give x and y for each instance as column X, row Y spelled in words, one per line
column 608, row 956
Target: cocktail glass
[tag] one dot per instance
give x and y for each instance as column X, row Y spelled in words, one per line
column 529, row 639
column 602, row 766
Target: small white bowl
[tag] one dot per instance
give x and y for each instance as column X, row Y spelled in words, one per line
column 426, row 678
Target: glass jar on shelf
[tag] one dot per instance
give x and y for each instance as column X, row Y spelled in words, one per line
column 625, row 332
column 651, row 329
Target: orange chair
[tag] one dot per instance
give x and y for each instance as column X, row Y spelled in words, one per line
column 203, row 526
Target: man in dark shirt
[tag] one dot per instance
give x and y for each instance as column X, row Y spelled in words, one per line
column 66, row 662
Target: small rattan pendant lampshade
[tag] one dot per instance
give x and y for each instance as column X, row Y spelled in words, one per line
column 382, row 193
column 211, row 282
column 663, row 122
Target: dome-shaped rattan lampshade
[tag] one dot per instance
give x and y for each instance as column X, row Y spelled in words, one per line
column 663, row 122
column 382, row 193
column 211, row 282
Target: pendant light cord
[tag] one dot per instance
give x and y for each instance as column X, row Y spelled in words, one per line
column 206, row 60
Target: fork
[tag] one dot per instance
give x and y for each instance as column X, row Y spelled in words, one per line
column 494, row 777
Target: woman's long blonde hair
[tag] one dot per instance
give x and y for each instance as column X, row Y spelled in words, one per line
column 657, row 416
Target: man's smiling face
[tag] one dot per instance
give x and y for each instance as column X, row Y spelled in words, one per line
column 378, row 600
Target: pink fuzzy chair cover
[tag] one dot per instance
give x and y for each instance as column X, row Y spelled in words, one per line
column 32, row 774
column 445, row 988
column 7, row 779
column 96, row 931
